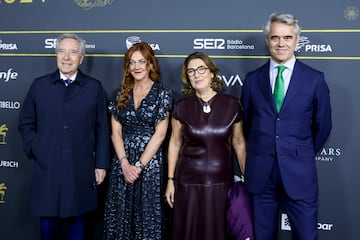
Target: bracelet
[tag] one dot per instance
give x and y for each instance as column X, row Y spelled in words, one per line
column 122, row 158
column 171, row 178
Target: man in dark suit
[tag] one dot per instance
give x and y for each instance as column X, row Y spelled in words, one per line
column 285, row 127
column 64, row 126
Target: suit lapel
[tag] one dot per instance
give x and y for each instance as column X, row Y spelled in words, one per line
column 264, row 83
column 295, row 83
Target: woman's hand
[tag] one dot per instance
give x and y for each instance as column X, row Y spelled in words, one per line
column 131, row 173
column 170, row 193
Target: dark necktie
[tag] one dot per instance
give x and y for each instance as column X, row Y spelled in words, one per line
column 68, row 82
column 279, row 92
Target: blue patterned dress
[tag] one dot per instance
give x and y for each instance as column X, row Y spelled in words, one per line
column 134, row 212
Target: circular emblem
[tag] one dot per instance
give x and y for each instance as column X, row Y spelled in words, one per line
column 351, row 13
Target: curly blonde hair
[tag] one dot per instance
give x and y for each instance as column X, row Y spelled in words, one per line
column 127, row 83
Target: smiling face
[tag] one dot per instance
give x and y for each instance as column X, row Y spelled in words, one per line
column 68, row 56
column 138, row 66
column 199, row 75
column 282, row 41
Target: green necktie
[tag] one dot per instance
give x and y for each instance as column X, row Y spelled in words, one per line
column 279, row 88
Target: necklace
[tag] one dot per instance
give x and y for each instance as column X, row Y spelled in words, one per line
column 205, row 106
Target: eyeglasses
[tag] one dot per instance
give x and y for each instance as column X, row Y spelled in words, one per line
column 200, row 70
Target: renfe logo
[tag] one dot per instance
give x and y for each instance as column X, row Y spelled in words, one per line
column 8, row 75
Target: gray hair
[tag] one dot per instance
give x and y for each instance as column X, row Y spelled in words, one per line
column 288, row 19
column 71, row 36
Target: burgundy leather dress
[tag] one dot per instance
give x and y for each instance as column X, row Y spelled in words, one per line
column 204, row 172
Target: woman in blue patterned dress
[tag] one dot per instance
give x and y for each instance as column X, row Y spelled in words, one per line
column 140, row 116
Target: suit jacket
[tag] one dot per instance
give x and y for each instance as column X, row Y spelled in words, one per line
column 293, row 136
column 65, row 133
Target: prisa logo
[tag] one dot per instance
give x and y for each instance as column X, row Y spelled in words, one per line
column 131, row 40
column 7, row 46
column 304, row 43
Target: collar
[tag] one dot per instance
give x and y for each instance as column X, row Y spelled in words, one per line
column 72, row 77
column 289, row 64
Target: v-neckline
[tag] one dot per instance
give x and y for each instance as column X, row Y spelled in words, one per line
column 142, row 100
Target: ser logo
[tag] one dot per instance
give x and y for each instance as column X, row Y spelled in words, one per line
column 209, row 43
column 51, row 43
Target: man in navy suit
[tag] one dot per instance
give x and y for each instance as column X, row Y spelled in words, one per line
column 282, row 143
column 64, row 126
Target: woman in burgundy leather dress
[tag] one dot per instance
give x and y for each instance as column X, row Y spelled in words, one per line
column 206, row 125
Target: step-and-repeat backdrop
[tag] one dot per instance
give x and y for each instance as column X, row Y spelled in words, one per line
column 229, row 31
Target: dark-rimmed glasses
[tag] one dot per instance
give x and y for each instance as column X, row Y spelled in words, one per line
column 200, row 70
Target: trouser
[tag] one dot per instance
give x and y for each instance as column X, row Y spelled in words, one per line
column 56, row 228
column 302, row 213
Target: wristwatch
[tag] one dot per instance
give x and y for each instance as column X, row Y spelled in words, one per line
column 139, row 165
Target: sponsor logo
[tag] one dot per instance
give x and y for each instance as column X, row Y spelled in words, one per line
column 13, row 105
column 3, row 131
column 22, row 1
column 351, row 13
column 285, row 224
column 2, row 192
column 9, row 164
column 87, row 4
column 7, row 46
column 131, row 40
column 328, row 154
column 304, row 44
column 8, row 75
column 221, row 44
column 51, row 43
column 231, row 80
column 238, row 45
